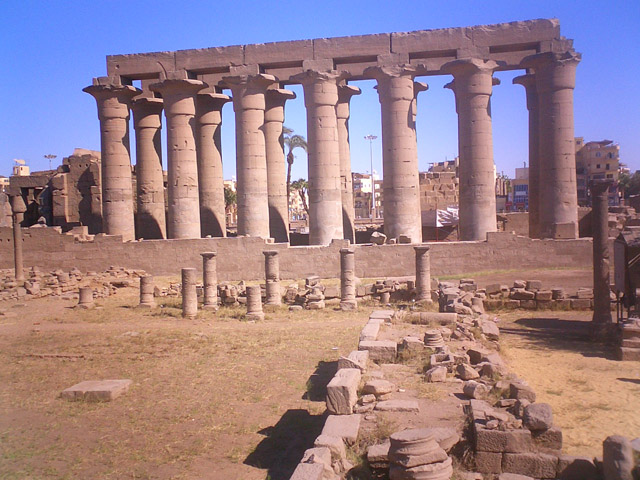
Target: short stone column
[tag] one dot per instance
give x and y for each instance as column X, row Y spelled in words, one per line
column 85, row 299
column 209, row 152
column 472, row 86
column 423, row 274
column 147, row 287
column 189, row 293
column 529, row 83
column 348, row 299
column 113, row 102
column 325, row 197
column 555, row 80
column 18, row 208
column 272, row 277
column 210, row 280
column 179, row 95
column 147, row 122
column 601, row 257
column 251, row 160
column 276, row 165
column 397, row 93
column 345, row 92
column 254, row 303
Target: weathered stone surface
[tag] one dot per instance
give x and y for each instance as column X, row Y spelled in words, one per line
column 369, row 331
column 576, row 468
column 378, row 453
column 380, row 351
column 378, row 387
column 335, row 446
column 466, row 372
column 356, row 359
column 510, row 441
column 520, row 391
column 308, row 471
column 398, row 406
column 436, row 374
column 538, row 416
column 513, row 476
column 473, row 389
column 549, row 439
column 488, row 462
column 343, row 426
column 534, row 285
column 490, row 329
column 537, row 465
column 382, row 314
column 617, row 458
column 342, row 391
column 521, row 294
column 319, row 455
column 96, row 390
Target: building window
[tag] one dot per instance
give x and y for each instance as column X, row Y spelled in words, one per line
column 610, row 155
column 598, row 166
column 598, row 154
column 608, row 167
column 609, row 175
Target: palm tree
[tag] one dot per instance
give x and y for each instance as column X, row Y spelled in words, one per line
column 302, row 186
column 292, row 142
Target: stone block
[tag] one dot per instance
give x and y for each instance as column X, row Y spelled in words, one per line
column 538, row 416
column 466, row 372
column 550, row 439
column 383, row 314
column 380, row 351
column 342, row 391
column 378, row 453
column 580, row 304
column 511, row 304
column 343, row 426
column 509, row 441
column 576, row 468
column 308, row 471
column 628, row 354
column 96, row 390
column 319, row 455
column 398, row 406
column 490, row 330
column 514, row 476
column 492, row 304
column 617, row 458
column 369, row 331
column 335, row 446
column 493, row 288
column 521, row 294
column 473, row 389
column 436, row 374
column 544, row 295
column 378, row 387
column 520, row 391
column 332, row 291
column 356, row 359
column 529, row 304
column 537, row 465
column 534, row 285
column 488, row 462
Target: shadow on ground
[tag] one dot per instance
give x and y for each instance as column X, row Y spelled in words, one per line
column 317, row 383
column 285, row 442
column 558, row 334
column 629, row 380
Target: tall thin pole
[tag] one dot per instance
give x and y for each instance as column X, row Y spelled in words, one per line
column 371, row 138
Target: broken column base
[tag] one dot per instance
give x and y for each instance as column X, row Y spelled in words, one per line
column 348, row 305
column 96, row 390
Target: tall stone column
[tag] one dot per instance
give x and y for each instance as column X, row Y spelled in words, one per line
column 251, row 160
column 555, row 80
column 325, row 197
column 348, row 300
column 113, row 102
column 18, row 208
column 147, row 122
column 345, row 92
column 601, row 257
column 189, row 293
column 397, row 93
column 472, row 86
column 272, row 277
column 210, row 176
column 179, row 95
column 210, row 280
column 529, row 83
column 276, row 165
column 423, row 274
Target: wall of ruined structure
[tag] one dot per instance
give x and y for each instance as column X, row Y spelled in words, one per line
column 438, row 190
column 5, row 210
column 242, row 258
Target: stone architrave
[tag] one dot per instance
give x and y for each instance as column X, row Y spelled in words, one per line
column 147, row 287
column 179, row 95
column 601, row 258
column 209, row 153
column 397, row 93
column 147, row 122
column 348, row 299
column 18, row 208
column 272, row 274
column 210, row 280
column 276, row 165
column 555, row 75
column 251, row 160
column 529, row 83
column 325, row 197
column 113, row 102
column 345, row 92
column 254, row 303
column 189, row 293
column 423, row 274
column 472, row 86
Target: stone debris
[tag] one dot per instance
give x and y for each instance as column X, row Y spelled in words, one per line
column 433, row 339
column 398, row 406
column 96, row 390
column 415, row 454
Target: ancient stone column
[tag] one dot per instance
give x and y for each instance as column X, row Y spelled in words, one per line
column 529, row 83
column 254, row 303
column 276, row 165
column 85, row 299
column 147, row 122
column 18, row 208
column 423, row 274
column 251, row 161
column 210, row 280
column 113, row 102
column 555, row 80
column 472, row 86
column 601, row 275
column 397, row 93
column 179, row 95
column 325, row 197
column 189, row 293
column 272, row 276
column 210, row 176
column 345, row 92
column 348, row 299
column 147, row 287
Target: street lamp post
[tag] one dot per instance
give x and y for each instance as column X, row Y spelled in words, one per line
column 50, row 157
column 371, row 138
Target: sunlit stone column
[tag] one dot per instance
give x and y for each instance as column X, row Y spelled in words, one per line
column 601, row 255
column 189, row 293
column 18, row 208
column 397, row 93
column 179, row 95
column 147, row 288
column 529, row 83
column 423, row 274
column 210, row 176
column 113, row 102
column 147, row 122
column 325, row 197
column 254, row 303
column 276, row 165
column 345, row 92
column 251, row 160
column 210, row 280
column 348, row 300
column 472, row 86
column 272, row 277
column 555, row 80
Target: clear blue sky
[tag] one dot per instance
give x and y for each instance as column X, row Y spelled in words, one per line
column 51, row 50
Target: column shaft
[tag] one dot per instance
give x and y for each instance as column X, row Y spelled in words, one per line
column 272, row 277
column 601, row 256
column 348, row 300
column 146, row 292
column 423, row 274
column 254, row 303
column 210, row 280
column 189, row 293
column 18, row 208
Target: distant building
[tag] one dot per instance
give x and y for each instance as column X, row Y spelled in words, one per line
column 520, row 190
column 4, row 183
column 20, row 170
column 362, row 195
column 594, row 161
column 231, row 211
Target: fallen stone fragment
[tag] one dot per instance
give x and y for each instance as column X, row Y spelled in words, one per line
column 520, row 391
column 96, row 390
column 577, row 468
column 398, row 406
column 343, row 426
column 342, row 391
column 617, row 458
column 308, row 471
column 538, row 416
column 380, row 351
column 466, row 372
column 436, row 374
column 473, row 389
column 356, row 359
column 378, row 387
